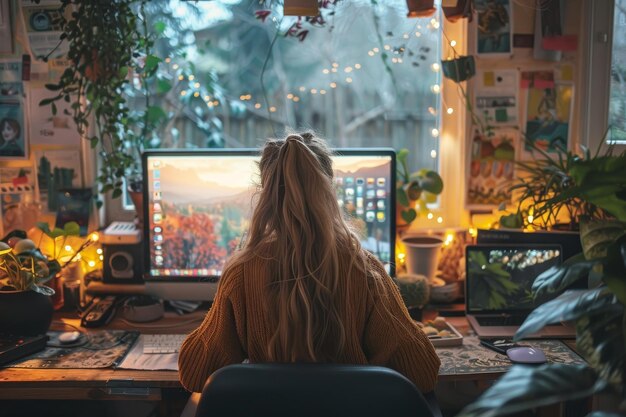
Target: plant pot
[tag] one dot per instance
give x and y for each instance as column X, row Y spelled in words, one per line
column 24, row 313
column 301, row 8
column 416, row 313
column 420, row 8
column 459, row 69
column 457, row 9
column 422, row 254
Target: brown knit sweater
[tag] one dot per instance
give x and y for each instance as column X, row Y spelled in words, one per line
column 238, row 327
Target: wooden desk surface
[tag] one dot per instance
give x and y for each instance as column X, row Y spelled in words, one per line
column 113, row 384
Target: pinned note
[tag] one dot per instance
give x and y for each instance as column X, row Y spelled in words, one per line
column 489, row 80
column 567, row 73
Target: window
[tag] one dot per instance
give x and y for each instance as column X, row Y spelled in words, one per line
column 365, row 76
column 617, row 98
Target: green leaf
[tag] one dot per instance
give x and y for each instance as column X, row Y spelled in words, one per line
column 48, row 101
column 163, row 86
column 596, row 236
column 159, row 27
column 71, row 229
column 401, row 197
column 56, row 232
column 431, row 182
column 557, row 278
column 568, row 306
column 123, row 72
column 155, row 114
column 44, row 227
column 408, row 215
column 93, row 142
column 524, row 387
column 615, row 269
column 53, row 87
column 413, row 190
column 600, row 340
column 116, row 193
column 402, row 155
column 152, row 62
column 42, row 289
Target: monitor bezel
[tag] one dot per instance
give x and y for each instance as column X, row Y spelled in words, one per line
column 379, row 151
column 488, row 247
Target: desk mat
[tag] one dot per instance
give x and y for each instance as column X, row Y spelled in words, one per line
column 97, row 349
column 473, row 358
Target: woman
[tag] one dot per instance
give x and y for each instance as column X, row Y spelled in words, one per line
column 302, row 289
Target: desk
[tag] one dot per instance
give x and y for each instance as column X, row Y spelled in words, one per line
column 118, row 384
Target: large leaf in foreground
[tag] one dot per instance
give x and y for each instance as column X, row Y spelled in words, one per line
column 568, row 306
column 527, row 387
column 557, row 278
column 600, row 340
column 596, row 236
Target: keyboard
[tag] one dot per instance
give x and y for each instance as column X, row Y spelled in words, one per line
column 162, row 343
column 501, row 320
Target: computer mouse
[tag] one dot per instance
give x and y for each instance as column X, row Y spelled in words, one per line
column 67, row 338
column 526, row 354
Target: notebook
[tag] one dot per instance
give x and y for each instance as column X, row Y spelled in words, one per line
column 498, row 294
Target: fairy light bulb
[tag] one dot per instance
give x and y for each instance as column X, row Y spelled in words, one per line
column 434, row 132
column 435, row 66
column 335, row 65
column 192, row 77
column 91, row 264
column 376, row 50
column 435, row 88
column 272, row 109
column 313, row 91
column 439, row 219
column 371, row 53
column 302, row 89
column 289, row 96
column 433, row 154
column 181, row 77
column 347, row 69
column 450, row 110
column 453, row 43
column 99, row 251
column 432, row 111
column 196, row 94
column 257, row 105
column 357, row 66
column 348, row 80
column 68, row 248
column 326, row 71
column 94, row 237
column 175, row 66
column 430, row 216
column 197, row 85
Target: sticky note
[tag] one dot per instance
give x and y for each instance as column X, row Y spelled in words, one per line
column 489, row 79
column 501, row 115
column 567, row 73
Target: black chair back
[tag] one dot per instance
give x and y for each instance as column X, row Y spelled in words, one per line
column 303, row 390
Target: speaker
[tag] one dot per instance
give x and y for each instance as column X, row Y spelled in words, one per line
column 123, row 263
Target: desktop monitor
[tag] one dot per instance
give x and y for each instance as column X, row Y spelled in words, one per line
column 199, row 203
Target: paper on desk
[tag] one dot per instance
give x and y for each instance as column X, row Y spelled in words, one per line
column 136, row 359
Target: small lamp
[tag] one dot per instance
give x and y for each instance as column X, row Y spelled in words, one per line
column 420, row 8
column 301, row 8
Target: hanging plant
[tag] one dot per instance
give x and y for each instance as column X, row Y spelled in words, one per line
column 109, row 47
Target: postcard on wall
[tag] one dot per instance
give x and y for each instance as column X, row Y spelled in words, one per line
column 494, row 33
column 548, row 114
column 43, row 28
column 495, row 97
column 6, row 28
column 491, row 168
column 46, row 129
column 17, row 203
column 13, row 138
column 56, row 170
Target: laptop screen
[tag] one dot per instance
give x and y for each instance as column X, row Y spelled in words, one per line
column 199, row 205
column 499, row 278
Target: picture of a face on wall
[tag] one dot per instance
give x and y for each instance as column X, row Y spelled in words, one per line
column 12, row 143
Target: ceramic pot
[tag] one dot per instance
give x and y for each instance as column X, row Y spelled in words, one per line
column 25, row 313
column 422, row 254
column 459, row 69
column 420, row 8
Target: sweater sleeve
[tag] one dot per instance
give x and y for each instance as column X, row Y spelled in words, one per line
column 215, row 343
column 392, row 339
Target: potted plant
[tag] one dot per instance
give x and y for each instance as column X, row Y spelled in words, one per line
column 25, row 305
column 415, row 291
column 111, row 73
column 414, row 190
column 598, row 183
column 567, row 186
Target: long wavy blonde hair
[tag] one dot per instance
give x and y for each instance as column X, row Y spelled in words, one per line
column 297, row 213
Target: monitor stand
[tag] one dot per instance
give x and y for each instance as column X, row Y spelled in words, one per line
column 187, row 291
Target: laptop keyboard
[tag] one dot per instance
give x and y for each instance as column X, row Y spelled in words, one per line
column 501, row 320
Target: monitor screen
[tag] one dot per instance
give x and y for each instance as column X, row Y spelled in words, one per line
column 499, row 278
column 199, row 203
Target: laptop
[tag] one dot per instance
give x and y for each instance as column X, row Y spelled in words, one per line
column 498, row 294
